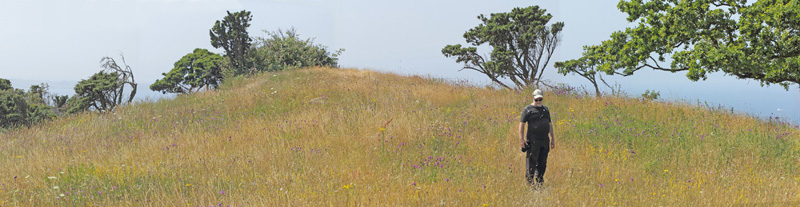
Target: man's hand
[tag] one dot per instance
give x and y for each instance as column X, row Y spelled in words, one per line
column 523, row 144
column 552, row 145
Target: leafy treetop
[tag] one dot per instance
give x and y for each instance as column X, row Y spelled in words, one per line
column 230, row 34
column 521, row 41
column 760, row 41
column 191, row 73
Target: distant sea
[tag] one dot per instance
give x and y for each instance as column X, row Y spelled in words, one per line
column 143, row 91
column 718, row 91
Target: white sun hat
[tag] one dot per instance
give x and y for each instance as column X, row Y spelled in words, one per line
column 537, row 94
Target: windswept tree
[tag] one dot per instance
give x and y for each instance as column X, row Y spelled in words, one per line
column 104, row 90
column 583, row 67
column 100, row 92
column 521, row 41
column 193, row 72
column 125, row 78
column 231, row 35
column 758, row 40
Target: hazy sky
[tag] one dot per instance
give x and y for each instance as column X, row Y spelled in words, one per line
column 61, row 42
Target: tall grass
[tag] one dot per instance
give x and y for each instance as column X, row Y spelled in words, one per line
column 334, row 137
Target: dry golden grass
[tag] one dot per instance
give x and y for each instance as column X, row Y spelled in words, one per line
column 377, row 139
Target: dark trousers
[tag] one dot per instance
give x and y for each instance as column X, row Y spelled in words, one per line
column 536, row 160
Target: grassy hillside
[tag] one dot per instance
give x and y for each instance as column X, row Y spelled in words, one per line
column 331, row 137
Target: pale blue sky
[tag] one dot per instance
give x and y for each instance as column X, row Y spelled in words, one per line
column 61, row 42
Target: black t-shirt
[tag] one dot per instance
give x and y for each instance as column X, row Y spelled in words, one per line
column 538, row 119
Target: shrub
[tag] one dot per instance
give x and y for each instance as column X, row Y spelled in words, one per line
column 651, row 95
column 285, row 50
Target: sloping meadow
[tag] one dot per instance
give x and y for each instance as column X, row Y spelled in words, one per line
column 345, row 137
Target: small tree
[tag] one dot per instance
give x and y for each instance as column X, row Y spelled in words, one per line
column 231, row 35
column 100, row 92
column 13, row 108
column 582, row 67
column 285, row 49
column 521, row 41
column 37, row 98
column 38, row 94
column 194, row 71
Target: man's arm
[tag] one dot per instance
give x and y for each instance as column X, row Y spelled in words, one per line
column 522, row 134
column 552, row 137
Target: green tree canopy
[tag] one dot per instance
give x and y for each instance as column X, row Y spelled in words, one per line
column 230, row 34
column 759, row 41
column 584, row 67
column 5, row 84
column 13, row 108
column 59, row 101
column 99, row 92
column 521, row 41
column 37, row 93
column 285, row 49
column 37, row 99
column 191, row 73
column 20, row 108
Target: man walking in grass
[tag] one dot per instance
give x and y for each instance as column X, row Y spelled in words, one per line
column 540, row 139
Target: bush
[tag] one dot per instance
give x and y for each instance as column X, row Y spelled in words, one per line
column 285, row 50
column 20, row 108
column 13, row 108
column 651, row 95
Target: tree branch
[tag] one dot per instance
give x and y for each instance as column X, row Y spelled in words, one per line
column 666, row 69
column 551, row 47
